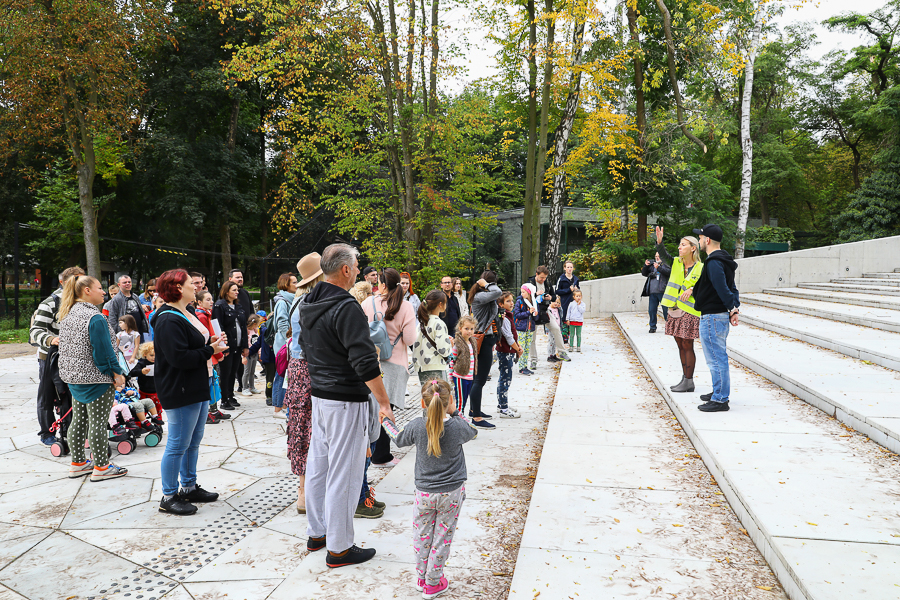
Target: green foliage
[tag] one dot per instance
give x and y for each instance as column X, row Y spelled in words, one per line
column 766, row 234
column 874, row 209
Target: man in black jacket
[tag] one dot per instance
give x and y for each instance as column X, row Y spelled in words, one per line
column 343, row 371
column 450, row 316
column 716, row 297
column 237, row 276
column 657, row 273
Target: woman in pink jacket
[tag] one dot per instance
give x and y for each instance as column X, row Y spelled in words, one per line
column 400, row 319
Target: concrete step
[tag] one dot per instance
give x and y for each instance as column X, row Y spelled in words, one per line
column 870, row 300
column 883, row 319
column 812, row 496
column 853, row 289
column 886, row 282
column 873, row 345
column 893, row 275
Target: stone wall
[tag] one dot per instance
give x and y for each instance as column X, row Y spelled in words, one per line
column 815, row 265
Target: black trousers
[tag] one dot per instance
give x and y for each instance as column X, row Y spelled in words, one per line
column 484, row 360
column 240, row 375
column 269, row 369
column 45, row 414
column 228, row 373
column 382, row 453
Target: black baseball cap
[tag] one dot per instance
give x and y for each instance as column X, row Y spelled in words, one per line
column 367, row 270
column 713, row 232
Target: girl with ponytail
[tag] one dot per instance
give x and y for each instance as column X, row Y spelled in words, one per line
column 440, row 480
column 399, row 318
column 432, row 349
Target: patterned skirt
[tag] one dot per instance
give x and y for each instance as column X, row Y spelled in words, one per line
column 686, row 327
column 299, row 425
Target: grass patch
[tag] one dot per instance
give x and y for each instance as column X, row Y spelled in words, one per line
column 10, row 335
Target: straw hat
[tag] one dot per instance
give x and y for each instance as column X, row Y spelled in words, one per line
column 309, row 267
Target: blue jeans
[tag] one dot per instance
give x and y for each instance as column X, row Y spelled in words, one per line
column 186, row 425
column 365, row 486
column 713, row 334
column 505, row 362
column 655, row 299
column 278, row 391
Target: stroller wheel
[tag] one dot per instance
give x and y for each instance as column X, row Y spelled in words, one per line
column 152, row 439
column 125, row 447
column 57, row 449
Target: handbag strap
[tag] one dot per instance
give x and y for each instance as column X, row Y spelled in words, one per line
column 377, row 312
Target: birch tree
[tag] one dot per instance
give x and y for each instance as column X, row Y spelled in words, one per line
column 746, row 139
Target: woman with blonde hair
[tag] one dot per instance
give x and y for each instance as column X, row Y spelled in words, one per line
column 89, row 364
column 684, row 320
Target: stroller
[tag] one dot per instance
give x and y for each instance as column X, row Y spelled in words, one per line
column 52, row 389
column 124, row 436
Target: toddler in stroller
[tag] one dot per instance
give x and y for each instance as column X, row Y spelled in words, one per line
column 125, row 429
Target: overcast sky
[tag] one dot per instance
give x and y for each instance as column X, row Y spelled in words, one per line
column 480, row 59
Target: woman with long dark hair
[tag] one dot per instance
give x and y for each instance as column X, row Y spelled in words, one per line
column 233, row 321
column 483, row 297
column 400, row 319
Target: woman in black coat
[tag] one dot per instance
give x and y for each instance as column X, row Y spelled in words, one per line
column 233, row 321
column 183, row 349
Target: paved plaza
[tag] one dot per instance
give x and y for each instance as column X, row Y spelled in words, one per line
column 609, row 486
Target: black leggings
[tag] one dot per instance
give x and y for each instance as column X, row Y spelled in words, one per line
column 484, row 360
column 228, row 373
column 688, row 358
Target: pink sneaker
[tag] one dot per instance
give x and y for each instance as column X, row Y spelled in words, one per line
column 420, row 584
column 433, row 591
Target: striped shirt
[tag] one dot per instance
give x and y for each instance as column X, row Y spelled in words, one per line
column 44, row 326
column 471, row 363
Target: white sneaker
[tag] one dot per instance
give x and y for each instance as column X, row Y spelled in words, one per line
column 508, row 413
column 246, row 393
column 280, row 415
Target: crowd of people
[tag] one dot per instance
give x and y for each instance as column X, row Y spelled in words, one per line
column 336, row 355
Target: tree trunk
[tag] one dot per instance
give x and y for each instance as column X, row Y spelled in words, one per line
column 86, row 174
column 561, row 148
column 541, row 159
column 746, row 142
column 528, row 237
column 640, row 119
column 225, row 236
column 764, row 210
column 673, row 75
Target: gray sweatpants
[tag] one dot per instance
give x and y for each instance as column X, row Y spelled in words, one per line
column 248, row 381
column 334, row 468
column 555, row 340
column 436, row 516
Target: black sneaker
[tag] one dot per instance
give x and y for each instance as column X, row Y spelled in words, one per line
column 482, row 415
column 211, row 419
column 177, row 506
column 235, row 403
column 484, row 424
column 313, row 544
column 552, row 359
column 221, row 416
column 353, row 556
column 714, row 406
column 653, row 330
column 198, row 494
column 268, row 402
column 227, row 405
column 706, row 397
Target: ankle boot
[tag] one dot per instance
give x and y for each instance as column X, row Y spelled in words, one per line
column 672, row 387
column 686, row 385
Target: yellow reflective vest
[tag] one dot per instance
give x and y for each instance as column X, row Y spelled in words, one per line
column 678, row 283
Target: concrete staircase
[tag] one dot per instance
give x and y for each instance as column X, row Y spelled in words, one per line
column 835, row 346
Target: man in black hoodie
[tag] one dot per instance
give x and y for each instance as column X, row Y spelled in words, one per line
column 343, row 371
column 716, row 297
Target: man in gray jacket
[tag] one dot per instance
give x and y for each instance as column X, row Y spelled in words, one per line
column 343, row 370
column 657, row 274
column 127, row 303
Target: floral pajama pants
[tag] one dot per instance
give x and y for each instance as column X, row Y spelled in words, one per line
column 526, row 340
column 435, row 524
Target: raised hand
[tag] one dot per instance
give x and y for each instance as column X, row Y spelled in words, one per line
column 659, row 234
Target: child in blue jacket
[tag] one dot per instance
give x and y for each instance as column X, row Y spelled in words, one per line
column 524, row 312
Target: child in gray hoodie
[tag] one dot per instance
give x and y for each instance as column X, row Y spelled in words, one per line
column 440, row 480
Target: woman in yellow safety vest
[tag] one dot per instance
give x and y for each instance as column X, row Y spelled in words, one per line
column 684, row 320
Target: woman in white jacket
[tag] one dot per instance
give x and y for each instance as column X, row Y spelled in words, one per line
column 433, row 347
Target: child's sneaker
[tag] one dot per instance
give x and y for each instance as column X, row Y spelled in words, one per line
column 132, row 425
column 420, row 585
column 433, row 591
column 157, row 420
column 80, row 469
column 564, row 358
column 220, row 416
column 508, row 413
column 110, row 471
column 526, row 371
